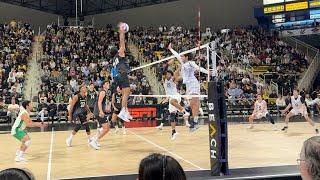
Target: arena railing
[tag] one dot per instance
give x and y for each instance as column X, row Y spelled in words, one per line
column 314, row 60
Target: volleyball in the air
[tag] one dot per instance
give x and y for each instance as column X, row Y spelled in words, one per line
column 125, row 27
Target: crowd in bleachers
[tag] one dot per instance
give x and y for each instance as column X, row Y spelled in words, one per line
column 15, row 50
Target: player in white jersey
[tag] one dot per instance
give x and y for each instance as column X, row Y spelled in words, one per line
column 260, row 111
column 298, row 107
column 18, row 129
column 170, row 86
column 188, row 68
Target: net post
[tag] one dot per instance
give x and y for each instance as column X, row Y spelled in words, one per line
column 218, row 130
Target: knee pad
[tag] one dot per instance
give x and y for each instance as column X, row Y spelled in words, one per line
column 77, row 128
column 87, row 127
column 173, row 117
column 27, row 143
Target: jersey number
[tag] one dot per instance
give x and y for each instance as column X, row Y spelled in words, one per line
column 82, row 104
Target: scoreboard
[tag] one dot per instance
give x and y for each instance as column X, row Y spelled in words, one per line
column 278, row 6
column 291, row 13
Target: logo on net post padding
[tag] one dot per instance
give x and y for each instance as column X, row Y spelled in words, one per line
column 211, row 117
column 211, row 106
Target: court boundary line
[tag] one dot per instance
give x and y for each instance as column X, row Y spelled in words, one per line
column 50, row 156
column 164, row 149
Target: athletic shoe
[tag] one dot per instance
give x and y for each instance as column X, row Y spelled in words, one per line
column 250, row 127
column 188, row 124
column 94, row 145
column 317, row 131
column 123, row 116
column 19, row 158
column 285, row 129
column 124, row 132
column 17, row 152
column 128, row 115
column 194, row 126
column 174, row 136
column 160, row 126
column 68, row 142
column 97, row 142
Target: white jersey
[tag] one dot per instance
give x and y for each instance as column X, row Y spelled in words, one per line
column 170, row 87
column 19, row 123
column 187, row 72
column 296, row 103
column 259, row 106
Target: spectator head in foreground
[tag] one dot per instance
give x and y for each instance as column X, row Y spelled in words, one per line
column 16, row 174
column 310, row 159
column 160, row 167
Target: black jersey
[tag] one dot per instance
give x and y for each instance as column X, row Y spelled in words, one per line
column 105, row 101
column 121, row 64
column 117, row 100
column 92, row 98
column 80, row 106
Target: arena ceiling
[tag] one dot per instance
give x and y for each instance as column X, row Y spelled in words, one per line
column 67, row 8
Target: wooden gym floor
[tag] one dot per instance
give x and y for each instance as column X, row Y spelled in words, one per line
column 121, row 154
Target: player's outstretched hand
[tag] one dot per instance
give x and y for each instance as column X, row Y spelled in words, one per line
column 170, row 46
column 121, row 28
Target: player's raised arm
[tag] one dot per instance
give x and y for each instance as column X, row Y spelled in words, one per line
column 122, row 46
column 175, row 53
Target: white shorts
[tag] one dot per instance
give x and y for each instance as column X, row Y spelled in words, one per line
column 302, row 111
column 260, row 115
column 171, row 107
column 193, row 87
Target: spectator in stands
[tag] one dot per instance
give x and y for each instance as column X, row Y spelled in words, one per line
column 309, row 160
column 16, row 174
column 52, row 110
column 281, row 103
column 160, row 167
column 13, row 110
column 273, row 94
column 3, row 108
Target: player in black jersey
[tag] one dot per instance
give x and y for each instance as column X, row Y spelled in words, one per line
column 101, row 109
column 121, row 76
column 92, row 97
column 116, row 106
column 79, row 113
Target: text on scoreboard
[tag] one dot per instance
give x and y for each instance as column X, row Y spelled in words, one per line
column 273, row 9
column 297, row 6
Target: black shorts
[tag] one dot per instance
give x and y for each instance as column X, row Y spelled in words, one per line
column 91, row 109
column 103, row 120
column 82, row 117
column 122, row 80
